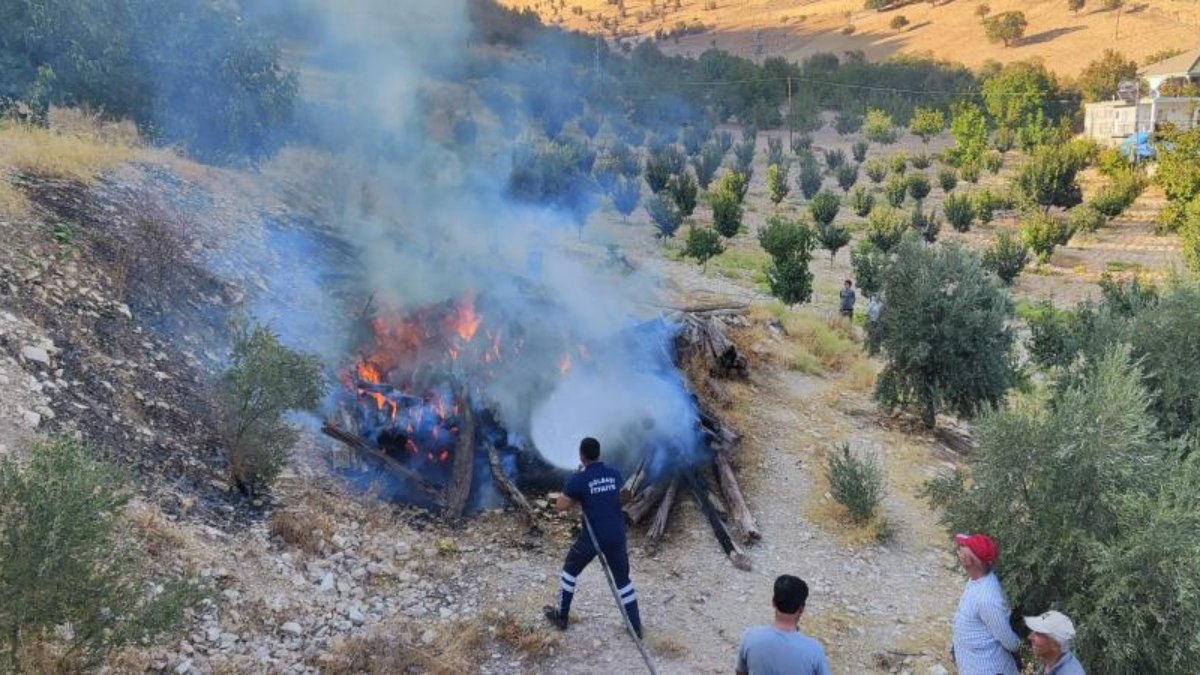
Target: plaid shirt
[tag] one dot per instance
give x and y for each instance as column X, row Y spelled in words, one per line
column 983, row 640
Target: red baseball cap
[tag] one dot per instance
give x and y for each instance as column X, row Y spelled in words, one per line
column 981, row 545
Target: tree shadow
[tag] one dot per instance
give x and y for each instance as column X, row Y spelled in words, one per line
column 1048, row 35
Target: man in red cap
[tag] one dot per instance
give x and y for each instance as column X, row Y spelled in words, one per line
column 984, row 642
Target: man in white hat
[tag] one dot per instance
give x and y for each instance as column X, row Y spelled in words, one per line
column 1051, row 640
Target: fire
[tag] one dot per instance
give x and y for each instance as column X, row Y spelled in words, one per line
column 368, row 372
column 564, row 365
column 465, row 322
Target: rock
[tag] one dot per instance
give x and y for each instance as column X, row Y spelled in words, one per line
column 39, row 355
column 31, row 419
column 356, row 617
column 124, row 309
column 292, row 628
column 183, row 667
column 938, row 669
column 428, row 636
column 327, row 583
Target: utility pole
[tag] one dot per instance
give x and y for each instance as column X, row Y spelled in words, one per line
column 791, row 119
column 1117, row 31
column 596, row 59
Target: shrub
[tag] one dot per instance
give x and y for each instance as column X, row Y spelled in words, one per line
column 1112, row 200
column 855, row 482
column 702, row 244
column 921, row 161
column 859, row 150
column 809, row 179
column 886, row 227
column 1042, row 232
column 876, row 169
column 832, row 238
column 743, row 154
column 847, row 176
column 1006, row 27
column 847, row 123
column 658, row 170
column 824, row 207
column 869, row 263
column 726, row 208
column 895, row 190
column 724, row 141
column 790, row 244
column 985, row 203
column 1005, row 258
column 898, row 22
column 878, row 127
column 625, row 195
column 683, row 190
column 801, row 144
column 265, row 380
column 1048, row 179
column 834, row 159
column 862, row 201
column 959, row 211
column 993, row 162
column 927, row 225
column 66, row 559
column 777, row 182
column 1085, row 218
column 664, row 214
column 927, row 123
column 969, row 173
column 898, row 163
column 947, row 179
column 706, row 164
column 942, row 349
column 918, row 186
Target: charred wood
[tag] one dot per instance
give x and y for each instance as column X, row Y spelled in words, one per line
column 743, row 520
column 357, row 443
column 510, row 490
column 703, row 339
column 644, row 502
column 658, row 526
column 736, row 555
column 458, row 490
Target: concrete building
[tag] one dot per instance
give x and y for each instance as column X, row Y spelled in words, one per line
column 1110, row 122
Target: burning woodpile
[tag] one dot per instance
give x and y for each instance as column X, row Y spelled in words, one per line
column 414, row 407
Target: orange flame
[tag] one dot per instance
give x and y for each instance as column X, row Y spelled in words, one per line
column 465, row 321
column 369, row 372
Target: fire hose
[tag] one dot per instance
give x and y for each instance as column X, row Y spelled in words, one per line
column 616, row 593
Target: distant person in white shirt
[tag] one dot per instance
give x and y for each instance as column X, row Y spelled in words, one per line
column 984, row 642
column 781, row 649
column 1051, row 641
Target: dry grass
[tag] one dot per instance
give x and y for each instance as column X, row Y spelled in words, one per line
column 667, row 645
column 820, row 345
column 161, row 539
column 457, row 649
column 302, row 527
column 530, row 640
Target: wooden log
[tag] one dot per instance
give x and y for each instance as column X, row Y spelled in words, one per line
column 743, row 520
column 510, row 490
column 458, row 490
column 633, row 484
column 645, row 501
column 735, row 553
column 704, row 339
column 658, row 526
column 403, row 472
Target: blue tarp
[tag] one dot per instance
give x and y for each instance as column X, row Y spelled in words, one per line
column 1137, row 146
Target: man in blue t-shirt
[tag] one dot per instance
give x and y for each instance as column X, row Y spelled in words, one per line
column 597, row 489
column 781, row 649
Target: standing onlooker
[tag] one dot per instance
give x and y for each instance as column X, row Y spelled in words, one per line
column 1051, row 640
column 781, row 649
column 984, row 643
column 848, row 296
column 874, row 308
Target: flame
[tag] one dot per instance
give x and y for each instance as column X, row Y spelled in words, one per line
column 369, row 372
column 465, row 321
column 564, row 365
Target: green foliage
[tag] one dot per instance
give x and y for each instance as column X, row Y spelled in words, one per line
column 737, row 183
column 726, row 206
column 264, row 381
column 1075, row 5
column 993, row 162
column 66, row 559
column 777, row 182
column 898, row 22
column 809, row 179
column 1113, row 199
column 1096, row 519
column 876, row 169
column 625, row 194
column 1099, row 80
column 665, row 215
column 927, row 123
column 1049, row 179
column 895, row 189
column 1006, row 258
column 1042, row 233
column 918, row 186
column 947, row 179
column 855, row 482
column 1189, row 236
column 824, row 207
column 702, row 244
column 724, row 141
column 774, row 150
column 1006, row 27
column 743, row 155
column 1021, row 95
column 944, row 334
column 832, row 237
column 555, row 174
column 706, row 164
column 898, row 163
column 927, row 225
column 790, row 244
column 969, row 128
column 921, row 161
column 197, row 75
column 801, row 144
column 969, row 173
column 869, row 263
column 847, row 123
column 1166, row 343
column 834, row 159
column 847, row 176
column 886, row 227
column 859, row 150
column 1085, row 218
column 618, row 160
column 1177, row 175
column 878, row 127
column 985, row 203
column 862, row 201
column 683, row 190
column 661, row 164
column 960, row 211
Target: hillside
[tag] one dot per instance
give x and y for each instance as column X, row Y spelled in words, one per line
column 948, row 30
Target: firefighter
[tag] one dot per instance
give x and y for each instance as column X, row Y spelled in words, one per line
column 596, row 487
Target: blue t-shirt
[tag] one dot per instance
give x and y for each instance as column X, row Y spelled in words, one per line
column 766, row 650
column 598, row 490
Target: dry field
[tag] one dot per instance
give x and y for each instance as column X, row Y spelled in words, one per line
column 947, row 30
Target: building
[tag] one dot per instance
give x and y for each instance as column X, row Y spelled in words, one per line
column 1110, row 122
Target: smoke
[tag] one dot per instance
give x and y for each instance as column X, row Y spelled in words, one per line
column 429, row 220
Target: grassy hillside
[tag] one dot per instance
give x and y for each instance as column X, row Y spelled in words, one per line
column 948, row 30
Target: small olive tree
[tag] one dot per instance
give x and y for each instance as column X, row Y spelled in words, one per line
column 944, row 335
column 790, row 244
column 264, row 381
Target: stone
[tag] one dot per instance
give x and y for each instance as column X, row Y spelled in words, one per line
column 938, row 669
column 183, row 666
column 124, row 310
column 31, row 419
column 356, row 617
column 327, row 583
column 39, row 355
column 292, row 628
column 428, row 636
